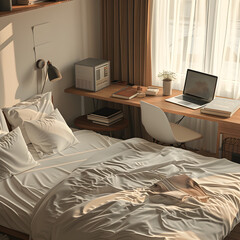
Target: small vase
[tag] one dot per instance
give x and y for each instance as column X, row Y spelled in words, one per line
column 167, row 87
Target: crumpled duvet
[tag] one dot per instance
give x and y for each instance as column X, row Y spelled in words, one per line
column 112, row 196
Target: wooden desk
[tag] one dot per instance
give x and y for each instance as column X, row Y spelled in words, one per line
column 228, row 126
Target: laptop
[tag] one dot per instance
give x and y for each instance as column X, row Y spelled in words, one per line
column 199, row 89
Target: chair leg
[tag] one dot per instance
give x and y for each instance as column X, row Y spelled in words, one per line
column 161, row 143
column 183, row 145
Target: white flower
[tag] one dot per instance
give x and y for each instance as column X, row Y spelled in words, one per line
column 167, row 75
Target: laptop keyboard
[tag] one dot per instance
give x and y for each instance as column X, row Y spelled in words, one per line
column 192, row 100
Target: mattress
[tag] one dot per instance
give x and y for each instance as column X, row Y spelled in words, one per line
column 109, row 197
column 20, row 193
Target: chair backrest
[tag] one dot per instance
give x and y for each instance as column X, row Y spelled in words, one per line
column 156, row 123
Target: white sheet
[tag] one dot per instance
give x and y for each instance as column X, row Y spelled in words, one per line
column 19, row 194
column 108, row 197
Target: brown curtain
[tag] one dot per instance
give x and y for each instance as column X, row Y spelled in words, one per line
column 126, row 43
column 126, row 40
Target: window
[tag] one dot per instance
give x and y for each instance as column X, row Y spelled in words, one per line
column 203, row 35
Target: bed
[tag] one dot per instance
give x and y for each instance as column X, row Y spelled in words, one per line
column 105, row 188
column 20, row 193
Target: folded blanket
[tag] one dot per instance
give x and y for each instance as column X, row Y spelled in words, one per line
column 180, row 186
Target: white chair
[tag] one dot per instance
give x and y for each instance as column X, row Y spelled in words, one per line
column 158, row 126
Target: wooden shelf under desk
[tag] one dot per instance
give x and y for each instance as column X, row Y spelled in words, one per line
column 23, row 8
column 83, row 123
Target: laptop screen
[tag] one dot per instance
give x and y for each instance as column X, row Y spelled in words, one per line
column 200, row 85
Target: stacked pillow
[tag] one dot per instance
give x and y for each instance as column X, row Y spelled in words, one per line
column 31, row 109
column 41, row 125
column 50, row 134
column 33, row 121
column 14, row 155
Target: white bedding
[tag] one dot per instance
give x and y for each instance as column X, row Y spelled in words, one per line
column 107, row 197
column 20, row 193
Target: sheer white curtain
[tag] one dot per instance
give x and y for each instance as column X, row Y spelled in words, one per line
column 203, row 35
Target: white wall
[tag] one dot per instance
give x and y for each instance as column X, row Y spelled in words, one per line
column 64, row 34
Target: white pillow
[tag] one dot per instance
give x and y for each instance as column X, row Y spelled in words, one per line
column 50, row 134
column 31, row 109
column 14, row 155
column 3, row 124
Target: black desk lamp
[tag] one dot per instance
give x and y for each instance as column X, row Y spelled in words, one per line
column 52, row 73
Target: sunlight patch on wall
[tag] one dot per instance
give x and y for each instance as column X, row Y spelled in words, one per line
column 6, row 33
column 8, row 77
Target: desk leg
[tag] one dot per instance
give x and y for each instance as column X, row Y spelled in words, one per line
column 219, row 144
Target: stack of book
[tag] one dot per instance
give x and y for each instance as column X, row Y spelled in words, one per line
column 106, row 116
column 28, row 2
column 223, row 107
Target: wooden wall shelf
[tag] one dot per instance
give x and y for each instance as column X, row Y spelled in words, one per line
column 23, row 8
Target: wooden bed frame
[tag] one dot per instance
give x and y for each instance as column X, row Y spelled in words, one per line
column 234, row 235
column 14, row 233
